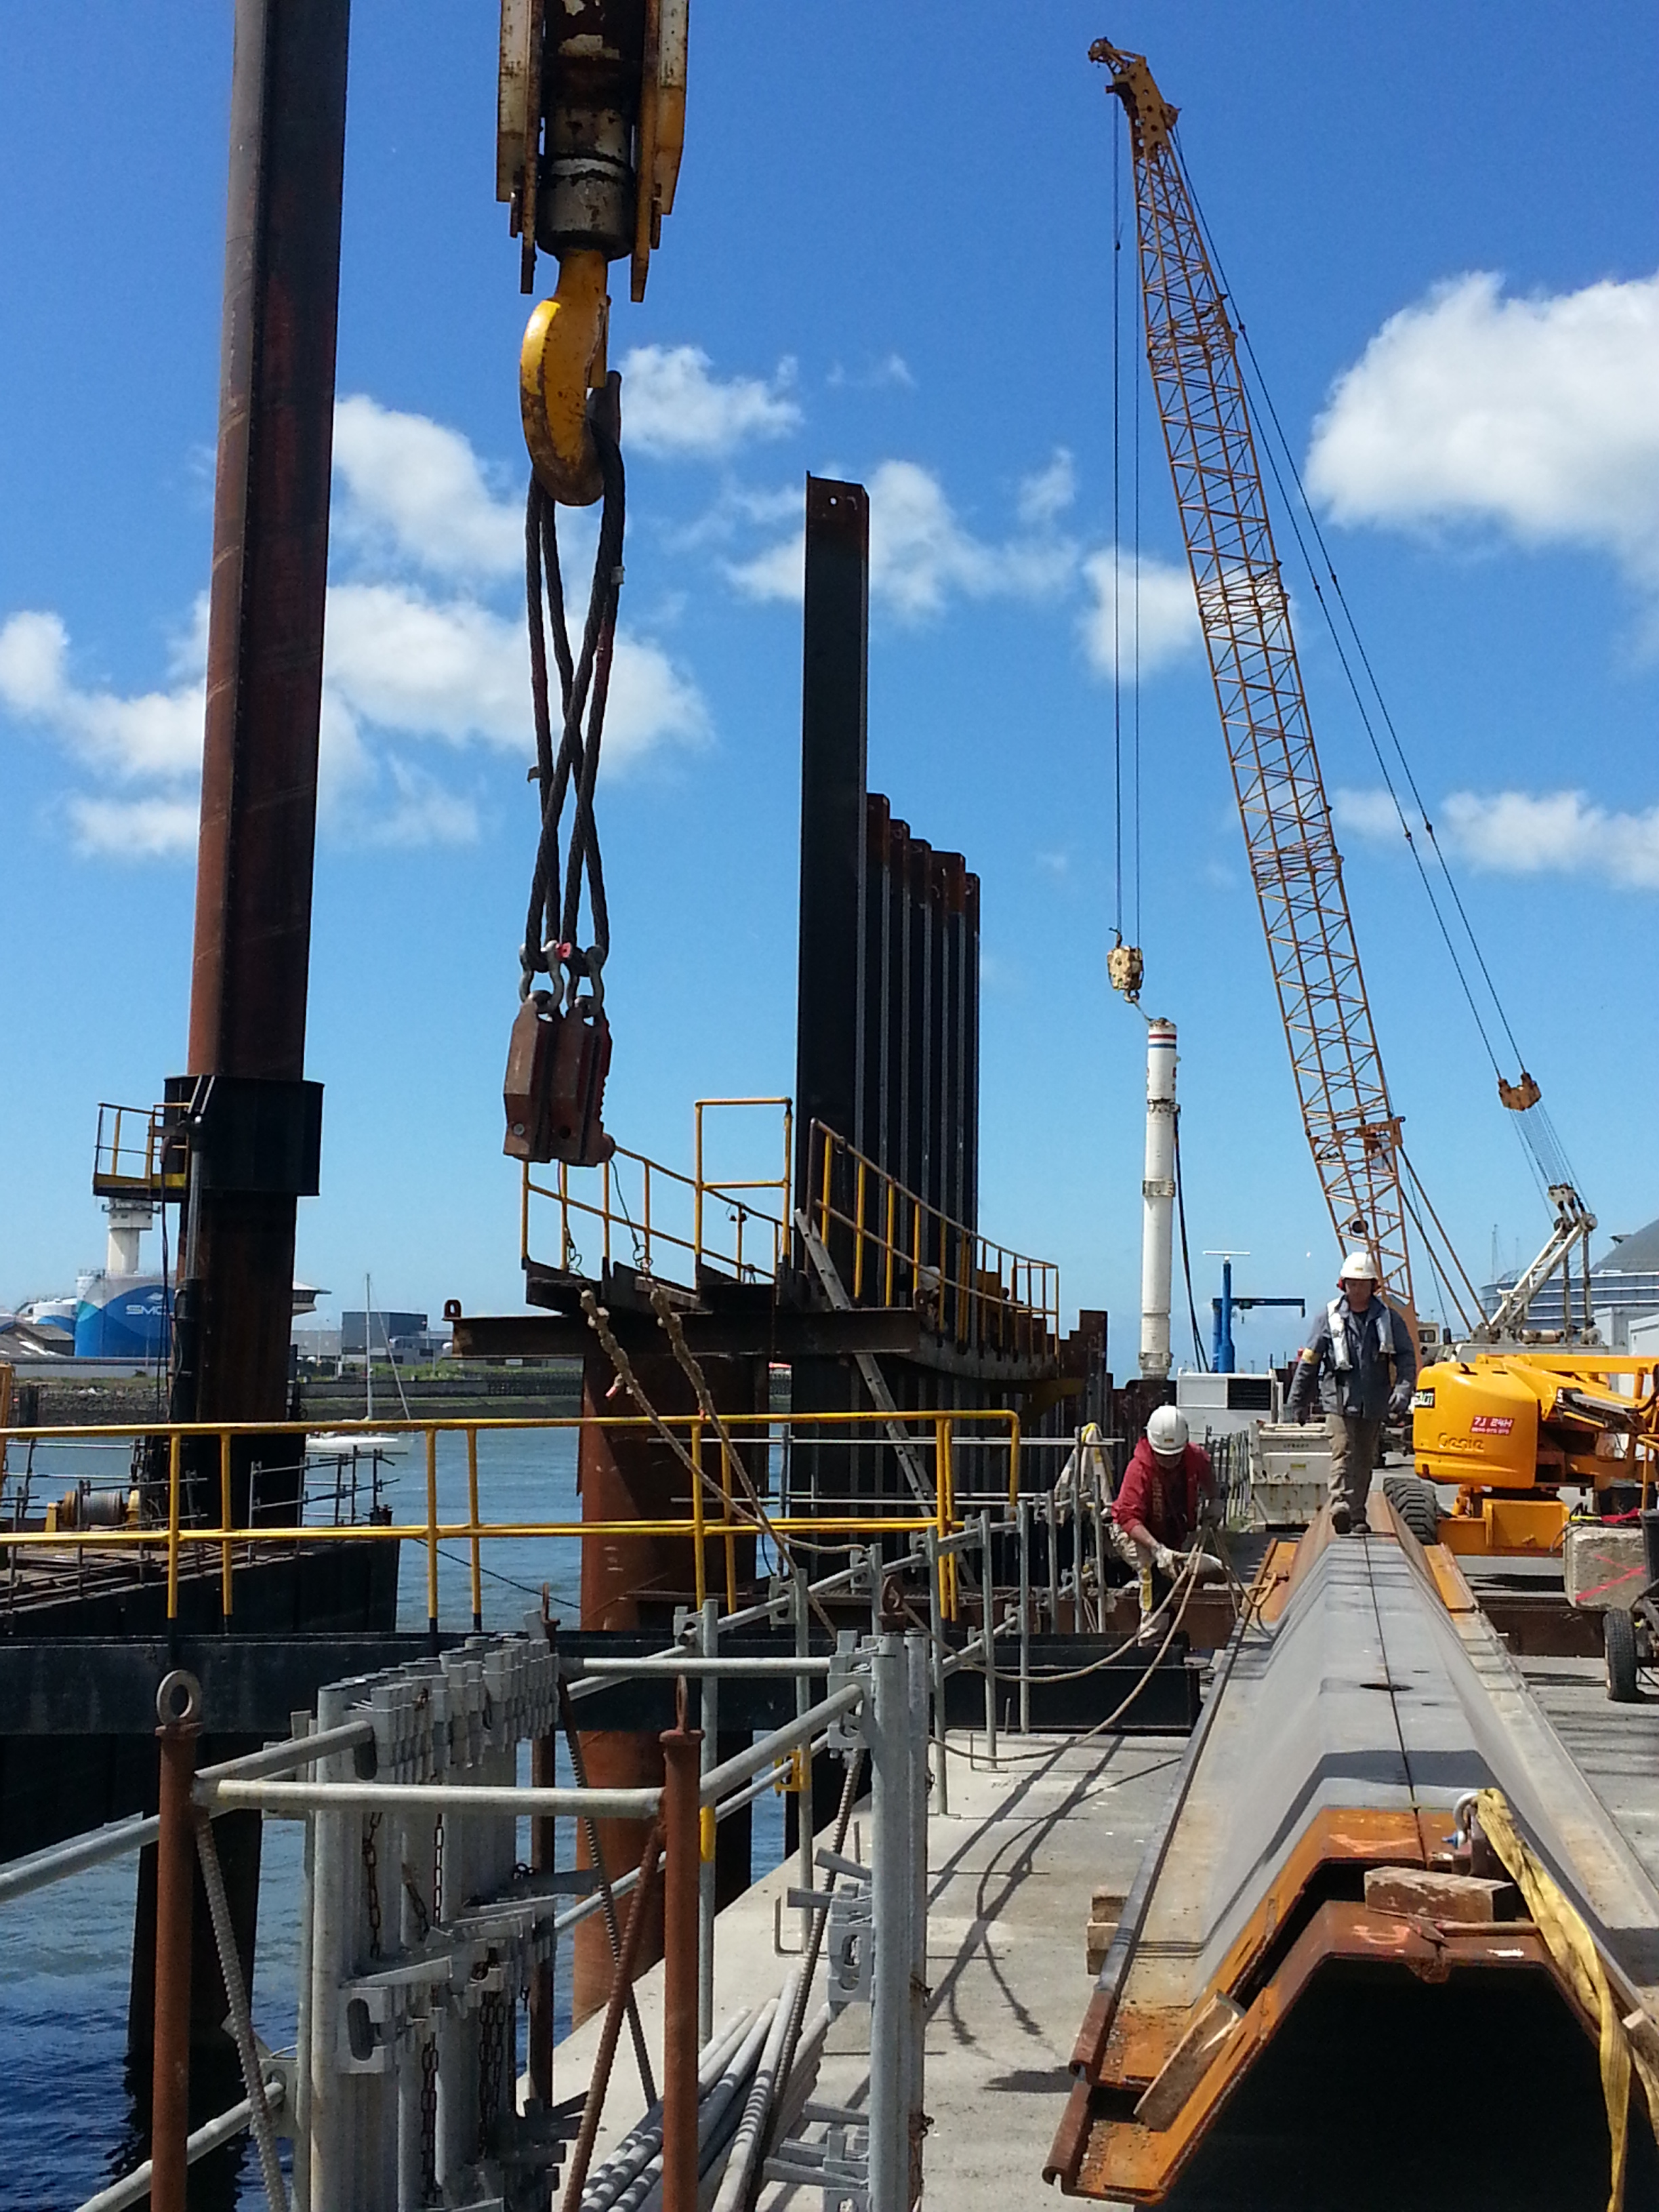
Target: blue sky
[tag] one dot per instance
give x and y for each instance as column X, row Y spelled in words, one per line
column 890, row 258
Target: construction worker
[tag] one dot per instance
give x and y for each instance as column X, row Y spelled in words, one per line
column 1166, row 1489
column 1362, row 1361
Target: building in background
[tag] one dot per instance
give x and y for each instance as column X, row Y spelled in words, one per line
column 1624, row 1288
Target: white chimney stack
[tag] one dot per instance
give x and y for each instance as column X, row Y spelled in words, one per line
column 1157, row 1192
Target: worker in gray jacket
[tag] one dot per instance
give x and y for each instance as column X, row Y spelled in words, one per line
column 1361, row 1360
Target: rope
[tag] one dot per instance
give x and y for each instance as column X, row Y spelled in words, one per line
column 241, row 2018
column 550, row 925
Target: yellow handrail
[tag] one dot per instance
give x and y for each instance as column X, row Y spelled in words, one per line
column 995, row 1426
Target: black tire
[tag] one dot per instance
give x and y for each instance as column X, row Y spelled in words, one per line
column 1619, row 1650
column 1415, row 1504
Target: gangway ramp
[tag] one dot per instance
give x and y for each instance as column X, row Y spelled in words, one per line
column 1254, row 2003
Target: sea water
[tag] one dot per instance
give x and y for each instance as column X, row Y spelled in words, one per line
column 70, row 2121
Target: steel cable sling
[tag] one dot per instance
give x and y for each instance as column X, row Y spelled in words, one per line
column 560, row 1051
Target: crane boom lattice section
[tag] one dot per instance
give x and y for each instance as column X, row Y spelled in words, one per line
column 1351, row 1129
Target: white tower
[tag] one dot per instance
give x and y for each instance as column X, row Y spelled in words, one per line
column 1157, row 1192
column 129, row 1217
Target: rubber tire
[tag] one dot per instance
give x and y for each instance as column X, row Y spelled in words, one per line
column 1416, row 1505
column 1619, row 1649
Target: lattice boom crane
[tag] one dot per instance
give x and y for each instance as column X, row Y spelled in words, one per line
column 1353, row 1129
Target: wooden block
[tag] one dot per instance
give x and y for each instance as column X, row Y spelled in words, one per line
column 1107, row 1905
column 1189, row 2061
column 1449, row 1897
column 1097, row 1938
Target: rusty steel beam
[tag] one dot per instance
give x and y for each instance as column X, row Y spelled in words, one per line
column 1365, row 1695
column 256, row 1131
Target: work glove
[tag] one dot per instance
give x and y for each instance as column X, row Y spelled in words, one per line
column 1300, row 1414
column 1400, row 1405
column 1167, row 1561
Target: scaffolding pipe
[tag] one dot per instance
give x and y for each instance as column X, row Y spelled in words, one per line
column 134, row 2188
column 497, row 1797
column 1024, row 1615
column 766, row 1750
column 892, row 1847
column 936, row 1635
column 708, row 1892
column 987, row 1635
column 681, row 1824
column 119, row 1837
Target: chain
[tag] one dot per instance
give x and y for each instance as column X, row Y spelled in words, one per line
column 372, row 1880
column 430, row 2118
column 422, row 1917
column 493, row 2014
column 438, row 1868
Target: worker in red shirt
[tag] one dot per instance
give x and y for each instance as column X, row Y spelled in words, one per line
column 1166, row 1489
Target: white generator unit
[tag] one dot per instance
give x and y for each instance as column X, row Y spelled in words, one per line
column 1290, row 1474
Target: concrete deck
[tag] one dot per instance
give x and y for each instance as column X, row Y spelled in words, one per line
column 1010, row 1873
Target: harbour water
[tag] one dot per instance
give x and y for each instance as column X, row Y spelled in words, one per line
column 69, row 2123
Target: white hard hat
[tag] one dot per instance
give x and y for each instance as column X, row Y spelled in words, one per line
column 1166, row 1431
column 1359, row 1267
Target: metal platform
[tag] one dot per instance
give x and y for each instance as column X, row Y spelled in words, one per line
column 1338, row 1738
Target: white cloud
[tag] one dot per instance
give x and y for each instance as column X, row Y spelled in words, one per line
column 155, row 734
column 920, row 553
column 1168, row 615
column 1523, row 833
column 672, row 405
column 134, row 828
column 417, row 487
column 1045, row 497
column 397, row 660
column 1555, row 833
column 423, row 812
column 1371, row 815
column 891, row 369
column 1537, row 415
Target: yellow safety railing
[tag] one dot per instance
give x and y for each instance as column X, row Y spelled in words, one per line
column 136, row 1151
column 975, row 1292
column 996, row 1429
column 656, row 1218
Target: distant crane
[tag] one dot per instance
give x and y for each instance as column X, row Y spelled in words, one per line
column 1353, row 1129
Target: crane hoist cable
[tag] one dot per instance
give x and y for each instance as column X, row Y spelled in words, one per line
column 590, row 122
column 1540, row 1140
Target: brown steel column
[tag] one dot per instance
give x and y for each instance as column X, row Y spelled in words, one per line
column 248, row 986
column 635, row 1581
column 175, row 1867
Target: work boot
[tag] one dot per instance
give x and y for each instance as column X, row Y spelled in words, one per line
column 1362, row 1526
column 1340, row 1520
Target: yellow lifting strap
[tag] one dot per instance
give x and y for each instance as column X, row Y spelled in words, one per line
column 1573, row 1948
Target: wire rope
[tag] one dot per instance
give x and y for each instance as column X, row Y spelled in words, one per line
column 1540, row 1141
column 1117, row 533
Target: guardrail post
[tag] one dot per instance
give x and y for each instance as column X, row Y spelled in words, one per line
column 178, row 1708
column 936, row 1631
column 679, row 2025
column 1052, row 1519
column 987, row 1631
column 803, row 1818
column 708, row 1643
column 1023, row 1530
column 915, row 1651
column 891, row 1867
column 1100, row 1547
